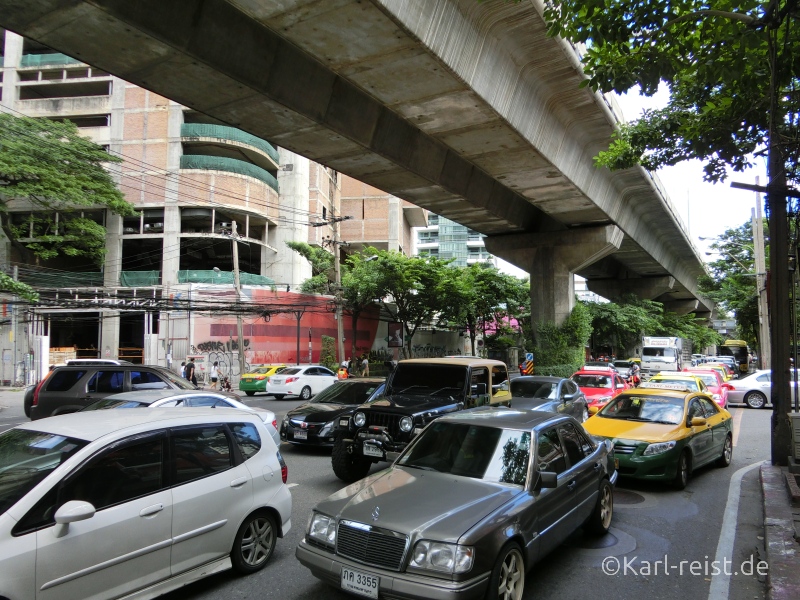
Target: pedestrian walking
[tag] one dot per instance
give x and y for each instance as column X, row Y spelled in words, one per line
column 365, row 366
column 214, row 374
column 190, row 371
column 183, row 369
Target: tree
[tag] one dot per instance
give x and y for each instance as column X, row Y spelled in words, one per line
column 422, row 289
column 485, row 295
column 716, row 64
column 361, row 286
column 56, row 173
column 621, row 325
column 732, row 284
column 321, row 268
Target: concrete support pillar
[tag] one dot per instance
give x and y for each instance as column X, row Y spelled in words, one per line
column 646, row 288
column 552, row 258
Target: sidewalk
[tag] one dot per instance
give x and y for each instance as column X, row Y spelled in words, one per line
column 781, row 496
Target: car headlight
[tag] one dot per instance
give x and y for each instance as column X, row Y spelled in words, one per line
column 406, row 424
column 445, row 558
column 603, row 399
column 286, row 420
column 359, row 419
column 658, row 448
column 322, row 529
column 326, row 429
column 716, row 397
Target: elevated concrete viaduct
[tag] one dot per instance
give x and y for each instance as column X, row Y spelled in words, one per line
column 467, row 109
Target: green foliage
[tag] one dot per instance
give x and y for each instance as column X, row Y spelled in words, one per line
column 321, row 268
column 361, row 286
column 10, row 286
column 327, row 355
column 715, row 62
column 621, row 324
column 485, row 295
column 560, row 349
column 732, row 284
column 56, row 171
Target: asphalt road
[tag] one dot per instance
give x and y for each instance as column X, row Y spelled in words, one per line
column 663, row 543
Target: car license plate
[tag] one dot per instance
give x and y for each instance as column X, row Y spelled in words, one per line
column 299, row 434
column 360, row 583
column 372, row 450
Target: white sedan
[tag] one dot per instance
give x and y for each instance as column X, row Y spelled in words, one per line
column 303, row 381
column 168, row 398
column 135, row 504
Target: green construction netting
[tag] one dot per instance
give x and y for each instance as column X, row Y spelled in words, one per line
column 221, row 163
column 38, row 60
column 222, row 277
column 63, row 280
column 139, row 278
column 223, row 132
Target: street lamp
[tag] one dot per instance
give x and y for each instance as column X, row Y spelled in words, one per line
column 728, row 254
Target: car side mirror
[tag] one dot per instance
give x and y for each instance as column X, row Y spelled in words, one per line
column 547, row 479
column 74, row 510
column 569, row 397
column 593, row 410
column 698, row 421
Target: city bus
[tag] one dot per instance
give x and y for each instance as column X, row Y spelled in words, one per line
column 739, row 351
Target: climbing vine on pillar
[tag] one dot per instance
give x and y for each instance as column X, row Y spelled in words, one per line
column 559, row 350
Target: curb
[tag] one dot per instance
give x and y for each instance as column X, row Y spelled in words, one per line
column 783, row 550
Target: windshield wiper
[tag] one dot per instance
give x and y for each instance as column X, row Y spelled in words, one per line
column 412, row 466
column 449, row 387
column 405, row 389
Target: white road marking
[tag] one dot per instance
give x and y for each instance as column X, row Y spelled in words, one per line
column 291, row 485
column 737, row 424
column 720, row 584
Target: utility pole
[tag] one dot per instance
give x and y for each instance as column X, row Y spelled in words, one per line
column 764, row 350
column 238, row 286
column 337, row 282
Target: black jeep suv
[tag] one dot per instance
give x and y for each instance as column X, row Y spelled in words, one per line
column 417, row 392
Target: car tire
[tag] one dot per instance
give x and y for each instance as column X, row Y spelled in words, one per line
column 278, row 396
column 684, row 471
column 508, row 576
column 600, row 520
column 305, row 394
column 727, row 453
column 348, row 467
column 250, row 393
column 755, row 399
column 254, row 543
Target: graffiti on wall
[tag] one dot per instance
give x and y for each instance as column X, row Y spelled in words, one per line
column 228, row 346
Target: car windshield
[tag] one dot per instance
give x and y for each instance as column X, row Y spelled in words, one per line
column 621, row 364
column 107, row 403
column 688, row 383
column 178, row 382
column 648, row 409
column 292, row 371
column 261, row 370
column 346, row 393
column 707, row 378
column 429, row 379
column 27, row 457
column 592, row 381
column 480, row 452
column 533, row 389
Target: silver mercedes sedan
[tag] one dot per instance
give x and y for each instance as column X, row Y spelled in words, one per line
column 472, row 502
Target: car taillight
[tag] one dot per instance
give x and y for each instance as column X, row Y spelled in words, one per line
column 284, row 468
column 39, row 387
column 260, row 377
column 291, row 379
column 275, row 424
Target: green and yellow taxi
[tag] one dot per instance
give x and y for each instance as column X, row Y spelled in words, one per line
column 664, row 431
column 694, row 382
column 256, row 380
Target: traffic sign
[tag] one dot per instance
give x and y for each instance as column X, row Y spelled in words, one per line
column 529, row 356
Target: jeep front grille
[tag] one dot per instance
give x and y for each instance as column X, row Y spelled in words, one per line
column 378, row 419
column 371, row 545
